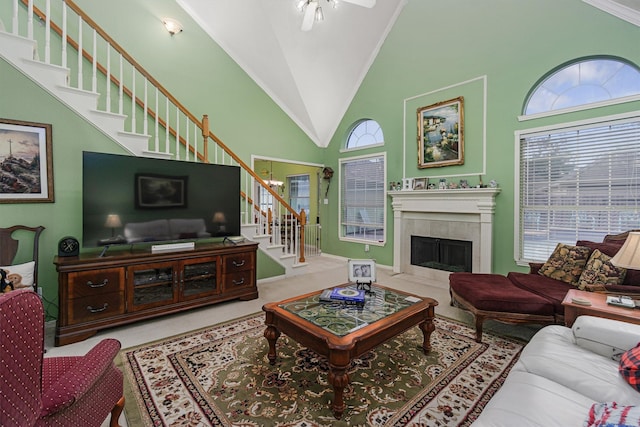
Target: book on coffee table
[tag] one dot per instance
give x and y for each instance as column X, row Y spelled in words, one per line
column 347, row 294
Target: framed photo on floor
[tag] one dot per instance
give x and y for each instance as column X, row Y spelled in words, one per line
column 441, row 134
column 26, row 162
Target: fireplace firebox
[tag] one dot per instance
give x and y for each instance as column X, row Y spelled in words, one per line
column 441, row 254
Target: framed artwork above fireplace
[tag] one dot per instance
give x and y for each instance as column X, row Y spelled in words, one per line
column 441, row 134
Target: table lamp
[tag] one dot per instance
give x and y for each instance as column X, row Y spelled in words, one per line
column 629, row 255
column 113, row 221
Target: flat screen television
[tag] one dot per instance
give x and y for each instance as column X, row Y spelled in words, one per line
column 134, row 200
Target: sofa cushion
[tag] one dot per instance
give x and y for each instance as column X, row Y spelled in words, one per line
column 599, row 270
column 529, row 400
column 630, row 367
column 552, row 290
column 610, row 414
column 632, row 278
column 553, row 354
column 494, row 292
column 566, row 263
column 606, row 337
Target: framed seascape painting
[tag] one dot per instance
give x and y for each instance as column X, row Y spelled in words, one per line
column 26, row 162
column 440, row 134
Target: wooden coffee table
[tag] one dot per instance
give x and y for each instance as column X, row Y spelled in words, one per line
column 598, row 308
column 344, row 332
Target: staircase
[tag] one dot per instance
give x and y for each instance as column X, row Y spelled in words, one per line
column 93, row 76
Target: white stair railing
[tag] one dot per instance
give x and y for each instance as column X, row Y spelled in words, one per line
column 125, row 91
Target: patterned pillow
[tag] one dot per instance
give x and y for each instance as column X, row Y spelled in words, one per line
column 20, row 276
column 599, row 270
column 566, row 263
column 630, row 367
column 612, row 415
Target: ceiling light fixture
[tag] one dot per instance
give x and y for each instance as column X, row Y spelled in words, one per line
column 313, row 12
column 173, row 26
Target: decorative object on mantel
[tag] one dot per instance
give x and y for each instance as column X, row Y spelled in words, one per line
column 420, row 183
column 407, row 184
column 440, row 134
column 443, row 184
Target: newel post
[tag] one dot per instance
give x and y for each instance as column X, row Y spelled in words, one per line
column 303, row 222
column 205, row 136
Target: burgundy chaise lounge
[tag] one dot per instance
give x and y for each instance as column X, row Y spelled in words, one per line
column 528, row 297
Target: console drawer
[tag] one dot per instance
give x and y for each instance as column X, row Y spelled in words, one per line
column 238, row 262
column 96, row 307
column 239, row 280
column 95, row 282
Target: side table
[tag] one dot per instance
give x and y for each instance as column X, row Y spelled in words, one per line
column 598, row 308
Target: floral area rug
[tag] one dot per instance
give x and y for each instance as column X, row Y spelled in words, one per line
column 220, row 376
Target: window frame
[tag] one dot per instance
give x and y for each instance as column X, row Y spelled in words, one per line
column 341, row 235
column 519, row 214
column 291, row 178
column 580, row 107
column 347, row 149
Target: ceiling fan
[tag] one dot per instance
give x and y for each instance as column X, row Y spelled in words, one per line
column 313, row 12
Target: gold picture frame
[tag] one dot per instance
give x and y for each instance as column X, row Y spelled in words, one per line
column 26, row 162
column 441, row 134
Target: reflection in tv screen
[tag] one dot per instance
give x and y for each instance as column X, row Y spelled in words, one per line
column 135, row 200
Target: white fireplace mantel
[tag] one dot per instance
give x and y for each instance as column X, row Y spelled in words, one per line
column 474, row 205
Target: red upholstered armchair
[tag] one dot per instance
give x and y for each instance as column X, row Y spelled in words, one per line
column 53, row 391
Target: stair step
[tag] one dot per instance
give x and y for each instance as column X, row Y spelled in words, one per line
column 80, row 100
column 48, row 76
column 14, row 47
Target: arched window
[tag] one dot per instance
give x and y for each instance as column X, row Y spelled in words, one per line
column 582, row 82
column 365, row 133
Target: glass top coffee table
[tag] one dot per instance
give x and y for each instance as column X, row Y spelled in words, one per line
column 344, row 332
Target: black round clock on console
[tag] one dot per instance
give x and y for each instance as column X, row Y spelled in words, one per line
column 68, row 246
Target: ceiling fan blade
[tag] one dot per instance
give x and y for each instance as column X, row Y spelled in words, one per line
column 309, row 16
column 363, row 3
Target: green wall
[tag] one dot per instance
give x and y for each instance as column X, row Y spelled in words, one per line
column 437, row 51
column 434, row 52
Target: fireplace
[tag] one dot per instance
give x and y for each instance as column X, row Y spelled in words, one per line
column 455, row 215
column 441, row 254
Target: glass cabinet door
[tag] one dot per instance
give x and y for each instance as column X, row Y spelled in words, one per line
column 199, row 278
column 152, row 285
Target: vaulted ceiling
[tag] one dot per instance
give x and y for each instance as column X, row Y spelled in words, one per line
column 314, row 75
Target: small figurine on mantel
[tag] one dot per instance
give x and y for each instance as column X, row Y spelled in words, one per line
column 493, row 184
column 443, row 184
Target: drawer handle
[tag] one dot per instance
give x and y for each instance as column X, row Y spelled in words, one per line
column 238, row 264
column 97, row 310
column 104, row 283
column 239, row 282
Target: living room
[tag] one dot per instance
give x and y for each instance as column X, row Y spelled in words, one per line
column 493, row 54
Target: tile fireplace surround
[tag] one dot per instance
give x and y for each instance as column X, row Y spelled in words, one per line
column 460, row 214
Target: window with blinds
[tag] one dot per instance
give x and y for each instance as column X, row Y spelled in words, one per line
column 578, row 183
column 299, row 193
column 362, row 198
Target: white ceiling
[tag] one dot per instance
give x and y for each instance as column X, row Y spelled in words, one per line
column 312, row 75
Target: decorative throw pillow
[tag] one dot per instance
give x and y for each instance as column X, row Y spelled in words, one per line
column 611, row 414
column 17, row 276
column 566, row 263
column 599, row 270
column 630, row 367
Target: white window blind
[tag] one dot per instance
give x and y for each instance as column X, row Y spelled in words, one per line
column 362, row 198
column 578, row 184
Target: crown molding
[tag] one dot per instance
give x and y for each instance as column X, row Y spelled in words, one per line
column 618, row 9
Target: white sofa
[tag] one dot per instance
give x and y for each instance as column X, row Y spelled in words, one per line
column 562, row 372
